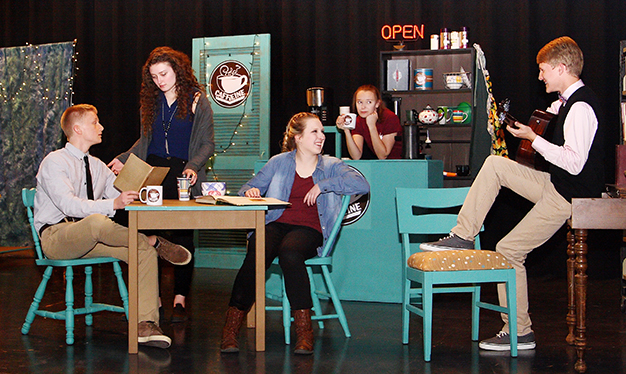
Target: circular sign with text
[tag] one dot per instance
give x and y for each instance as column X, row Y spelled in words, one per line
column 230, row 84
column 358, row 205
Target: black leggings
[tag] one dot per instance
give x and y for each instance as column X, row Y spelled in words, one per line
column 182, row 273
column 293, row 245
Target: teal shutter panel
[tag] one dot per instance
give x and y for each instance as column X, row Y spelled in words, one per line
column 241, row 128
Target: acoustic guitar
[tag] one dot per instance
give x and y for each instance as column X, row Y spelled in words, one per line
column 541, row 123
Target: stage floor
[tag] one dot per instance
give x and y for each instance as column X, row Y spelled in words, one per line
column 375, row 345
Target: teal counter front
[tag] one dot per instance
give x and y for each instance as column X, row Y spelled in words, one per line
column 367, row 257
column 367, row 260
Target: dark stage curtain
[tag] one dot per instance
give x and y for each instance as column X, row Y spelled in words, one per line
column 333, row 44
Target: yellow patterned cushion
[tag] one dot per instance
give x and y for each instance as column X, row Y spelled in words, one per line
column 458, row 260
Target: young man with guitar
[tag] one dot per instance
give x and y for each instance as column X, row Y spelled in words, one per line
column 574, row 151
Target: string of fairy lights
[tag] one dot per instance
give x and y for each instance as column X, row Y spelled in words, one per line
column 32, row 59
column 244, row 114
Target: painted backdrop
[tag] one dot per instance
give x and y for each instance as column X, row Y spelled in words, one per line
column 35, row 89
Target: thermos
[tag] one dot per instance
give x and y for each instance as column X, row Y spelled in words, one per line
column 410, row 144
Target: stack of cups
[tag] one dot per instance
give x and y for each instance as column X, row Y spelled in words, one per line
column 184, row 185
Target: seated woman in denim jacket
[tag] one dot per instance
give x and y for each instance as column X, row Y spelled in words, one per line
column 313, row 184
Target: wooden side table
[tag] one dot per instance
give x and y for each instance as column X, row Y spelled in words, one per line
column 605, row 214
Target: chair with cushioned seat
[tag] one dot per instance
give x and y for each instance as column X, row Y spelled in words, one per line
column 425, row 211
column 323, row 262
column 28, row 198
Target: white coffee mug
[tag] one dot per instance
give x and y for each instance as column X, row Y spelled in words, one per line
column 349, row 121
column 154, row 195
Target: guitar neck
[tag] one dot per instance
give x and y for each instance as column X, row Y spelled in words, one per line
column 509, row 120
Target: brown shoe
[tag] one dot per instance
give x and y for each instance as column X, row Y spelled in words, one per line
column 179, row 314
column 234, row 321
column 304, row 332
column 174, row 253
column 151, row 335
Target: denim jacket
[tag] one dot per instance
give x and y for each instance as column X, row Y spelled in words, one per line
column 333, row 176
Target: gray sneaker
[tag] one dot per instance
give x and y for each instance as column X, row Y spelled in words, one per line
column 450, row 242
column 502, row 342
column 151, row 335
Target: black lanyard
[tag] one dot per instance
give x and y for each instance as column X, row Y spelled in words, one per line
column 166, row 128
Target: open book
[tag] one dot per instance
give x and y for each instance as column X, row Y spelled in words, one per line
column 240, row 200
column 136, row 174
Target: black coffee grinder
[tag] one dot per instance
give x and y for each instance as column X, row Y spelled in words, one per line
column 315, row 100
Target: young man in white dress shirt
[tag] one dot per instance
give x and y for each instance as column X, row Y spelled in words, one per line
column 575, row 153
column 74, row 200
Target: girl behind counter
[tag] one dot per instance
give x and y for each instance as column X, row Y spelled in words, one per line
column 313, row 184
column 375, row 124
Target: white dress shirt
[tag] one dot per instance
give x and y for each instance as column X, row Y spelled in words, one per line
column 579, row 130
column 62, row 187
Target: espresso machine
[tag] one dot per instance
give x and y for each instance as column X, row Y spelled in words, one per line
column 315, row 101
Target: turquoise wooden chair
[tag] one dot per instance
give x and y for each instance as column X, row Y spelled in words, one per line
column 425, row 211
column 28, row 198
column 324, row 263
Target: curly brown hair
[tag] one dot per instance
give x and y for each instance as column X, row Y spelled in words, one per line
column 186, row 84
column 295, row 126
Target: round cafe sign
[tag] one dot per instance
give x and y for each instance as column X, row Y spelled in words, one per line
column 230, row 84
column 358, row 205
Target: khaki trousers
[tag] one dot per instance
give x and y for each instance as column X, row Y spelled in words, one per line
column 98, row 236
column 550, row 212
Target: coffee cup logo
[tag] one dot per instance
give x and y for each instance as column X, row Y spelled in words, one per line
column 420, row 78
column 153, row 195
column 230, row 84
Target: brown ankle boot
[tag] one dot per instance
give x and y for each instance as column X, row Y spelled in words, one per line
column 234, row 321
column 304, row 332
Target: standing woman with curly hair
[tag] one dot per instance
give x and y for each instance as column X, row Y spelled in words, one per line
column 177, row 132
column 313, row 184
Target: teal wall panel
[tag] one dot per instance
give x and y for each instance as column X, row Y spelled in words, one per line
column 241, row 131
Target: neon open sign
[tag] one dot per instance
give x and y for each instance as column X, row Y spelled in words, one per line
column 402, row 32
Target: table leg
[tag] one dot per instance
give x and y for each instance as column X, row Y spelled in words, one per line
column 581, row 298
column 571, row 296
column 133, row 286
column 260, row 281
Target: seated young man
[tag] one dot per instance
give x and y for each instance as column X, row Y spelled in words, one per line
column 575, row 153
column 74, row 200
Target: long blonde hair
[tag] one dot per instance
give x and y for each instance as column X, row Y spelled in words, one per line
column 295, row 126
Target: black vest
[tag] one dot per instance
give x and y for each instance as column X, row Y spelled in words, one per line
column 590, row 181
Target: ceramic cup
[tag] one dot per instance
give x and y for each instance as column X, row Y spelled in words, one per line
column 183, row 188
column 445, row 114
column 153, row 195
column 459, row 116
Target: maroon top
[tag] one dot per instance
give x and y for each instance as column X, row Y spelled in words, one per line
column 298, row 213
column 388, row 124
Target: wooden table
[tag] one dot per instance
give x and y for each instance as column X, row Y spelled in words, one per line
column 174, row 214
column 608, row 214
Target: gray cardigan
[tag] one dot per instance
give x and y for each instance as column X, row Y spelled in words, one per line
column 201, row 143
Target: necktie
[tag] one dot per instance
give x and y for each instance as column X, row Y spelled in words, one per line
column 88, row 177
